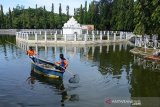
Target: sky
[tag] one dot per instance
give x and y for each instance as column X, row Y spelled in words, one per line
column 48, row 3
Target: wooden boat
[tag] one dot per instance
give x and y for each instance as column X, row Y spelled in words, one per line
column 50, row 81
column 152, row 57
column 45, row 68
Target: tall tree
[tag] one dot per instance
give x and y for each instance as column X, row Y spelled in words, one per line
column 36, row 19
column 67, row 12
column 140, row 27
column 23, row 19
column 89, row 15
column 118, row 15
column 122, row 15
column 140, row 16
column 10, row 19
column 85, row 13
column 93, row 13
column 155, row 17
column 76, row 14
column 36, row 6
column 52, row 19
column 96, row 14
column 60, row 16
column 105, row 14
column 74, row 11
column 81, row 12
column 129, row 15
column 144, row 14
column 44, row 18
column 2, row 18
column 28, row 25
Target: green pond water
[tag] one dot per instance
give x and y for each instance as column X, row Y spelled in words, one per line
column 106, row 72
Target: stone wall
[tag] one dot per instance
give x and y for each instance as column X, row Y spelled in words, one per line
column 8, row 31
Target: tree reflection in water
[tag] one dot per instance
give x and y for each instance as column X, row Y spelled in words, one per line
column 57, row 83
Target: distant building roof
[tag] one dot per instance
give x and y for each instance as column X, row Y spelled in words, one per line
column 72, row 23
column 88, row 27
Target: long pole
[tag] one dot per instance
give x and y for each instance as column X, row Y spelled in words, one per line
column 64, row 69
column 68, row 71
column 15, row 45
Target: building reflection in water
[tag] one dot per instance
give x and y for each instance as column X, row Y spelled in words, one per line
column 144, row 80
column 113, row 62
column 110, row 58
column 146, row 64
column 5, row 46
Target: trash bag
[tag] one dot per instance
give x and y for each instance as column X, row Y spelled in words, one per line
column 74, row 97
column 74, row 79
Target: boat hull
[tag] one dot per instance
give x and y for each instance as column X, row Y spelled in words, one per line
column 40, row 67
column 154, row 58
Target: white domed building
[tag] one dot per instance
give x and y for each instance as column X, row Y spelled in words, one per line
column 72, row 27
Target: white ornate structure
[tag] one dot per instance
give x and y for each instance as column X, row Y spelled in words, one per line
column 72, row 27
column 71, row 34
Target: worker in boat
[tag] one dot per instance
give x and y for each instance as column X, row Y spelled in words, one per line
column 31, row 53
column 157, row 53
column 62, row 64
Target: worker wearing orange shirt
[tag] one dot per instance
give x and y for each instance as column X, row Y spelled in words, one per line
column 31, row 53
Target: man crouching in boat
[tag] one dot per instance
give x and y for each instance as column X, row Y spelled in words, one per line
column 157, row 53
column 31, row 53
column 62, row 64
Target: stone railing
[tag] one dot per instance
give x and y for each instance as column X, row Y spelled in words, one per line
column 147, row 42
column 57, row 36
column 67, row 48
column 146, row 64
column 8, row 31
